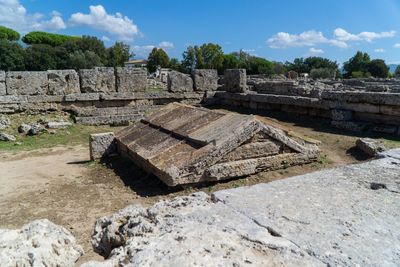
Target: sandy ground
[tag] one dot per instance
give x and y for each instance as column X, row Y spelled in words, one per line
column 60, row 184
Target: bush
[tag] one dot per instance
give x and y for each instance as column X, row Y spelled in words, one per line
column 8, row 34
column 323, row 73
column 47, row 38
column 11, row 56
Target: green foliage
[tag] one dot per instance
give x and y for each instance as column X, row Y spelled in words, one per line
column 11, row 56
column 157, row 58
column 357, row 64
column 323, row 73
column 360, row 74
column 40, row 57
column 378, row 68
column 84, row 60
column 47, row 38
column 279, row 68
column 207, row 56
column 118, row 54
column 230, row 62
column 8, row 34
column 175, row 64
column 397, row 72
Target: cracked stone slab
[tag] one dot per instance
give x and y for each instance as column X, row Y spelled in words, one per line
column 347, row 216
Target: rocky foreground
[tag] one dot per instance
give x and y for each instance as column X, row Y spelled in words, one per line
column 347, row 216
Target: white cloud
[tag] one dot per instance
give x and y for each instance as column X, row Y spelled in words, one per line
column 396, row 45
column 380, row 50
column 13, row 14
column 105, row 38
column 341, row 38
column 249, row 50
column 315, row 51
column 166, row 45
column 116, row 24
column 144, row 50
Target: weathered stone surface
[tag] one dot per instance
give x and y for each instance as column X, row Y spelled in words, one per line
column 58, row 124
column 235, row 80
column 341, row 115
column 39, row 243
column 97, row 80
column 205, row 79
column 24, row 128
column 36, row 129
column 63, row 82
column 3, row 90
column 179, row 82
column 102, row 145
column 349, row 216
column 370, row 146
column 195, row 232
column 7, row 137
column 349, row 125
column 26, row 82
column 4, row 122
column 131, row 79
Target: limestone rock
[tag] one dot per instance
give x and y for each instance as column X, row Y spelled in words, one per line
column 3, row 90
column 39, row 243
column 131, row 79
column 26, row 82
column 97, row 80
column 7, row 137
column 24, row 128
column 341, row 115
column 36, row 129
column 370, row 146
column 4, row 122
column 63, row 82
column 179, row 82
column 235, row 80
column 102, row 145
column 205, row 79
column 58, row 124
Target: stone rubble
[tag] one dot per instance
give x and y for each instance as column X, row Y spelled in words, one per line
column 4, row 122
column 7, row 137
column 102, row 145
column 38, row 243
column 370, row 146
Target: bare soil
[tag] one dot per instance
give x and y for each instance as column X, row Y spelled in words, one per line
column 62, row 185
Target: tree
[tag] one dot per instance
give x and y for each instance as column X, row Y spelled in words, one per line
column 207, row 56
column 357, row 64
column 230, row 62
column 47, row 38
column 175, row 64
column 323, row 73
column 157, row 58
column 323, row 65
column 190, row 57
column 257, row 65
column 397, row 72
column 11, row 56
column 40, row 57
column 8, row 34
column 378, row 68
column 84, row 60
column 279, row 68
column 118, row 54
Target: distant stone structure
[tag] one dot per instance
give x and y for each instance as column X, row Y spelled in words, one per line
column 235, row 80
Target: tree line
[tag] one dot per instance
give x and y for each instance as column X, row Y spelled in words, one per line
column 38, row 51
column 42, row 51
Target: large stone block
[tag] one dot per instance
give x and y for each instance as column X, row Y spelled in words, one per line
column 102, row 145
column 3, row 90
column 179, row 82
column 63, row 82
column 235, row 80
column 27, row 82
column 131, row 79
column 205, row 79
column 97, row 80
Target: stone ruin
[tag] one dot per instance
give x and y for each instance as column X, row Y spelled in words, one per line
column 182, row 144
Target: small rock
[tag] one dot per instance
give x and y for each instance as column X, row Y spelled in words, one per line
column 7, row 137
column 370, row 146
column 35, row 129
column 24, row 128
column 4, row 122
column 58, row 124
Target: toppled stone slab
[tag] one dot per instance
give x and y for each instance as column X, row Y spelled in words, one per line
column 3, row 89
column 27, row 82
column 349, row 217
column 58, row 124
column 63, row 82
column 38, row 243
column 97, row 80
column 102, row 145
column 131, row 79
column 24, row 128
column 370, row 146
column 7, row 137
column 4, row 122
column 35, row 129
column 205, row 79
column 179, row 82
column 235, row 80
column 211, row 145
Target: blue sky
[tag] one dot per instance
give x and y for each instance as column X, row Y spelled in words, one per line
column 276, row 30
